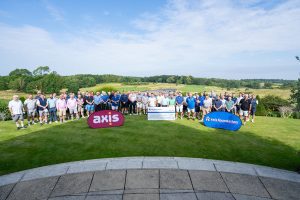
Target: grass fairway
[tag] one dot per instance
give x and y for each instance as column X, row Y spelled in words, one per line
column 270, row 141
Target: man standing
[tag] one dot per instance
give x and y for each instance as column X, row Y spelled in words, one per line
column 115, row 102
column 132, row 103
column 124, row 103
column 105, row 100
column 43, row 111
column 229, row 105
column 52, row 108
column 61, row 107
column 97, row 101
column 207, row 106
column 16, row 109
column 139, row 104
column 90, row 104
column 245, row 108
column 165, row 101
column 254, row 103
column 30, row 107
column 218, row 105
column 80, row 106
column 152, row 101
column 145, row 99
column 191, row 103
column 179, row 105
column 72, row 106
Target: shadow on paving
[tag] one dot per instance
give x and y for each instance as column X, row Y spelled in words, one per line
column 75, row 141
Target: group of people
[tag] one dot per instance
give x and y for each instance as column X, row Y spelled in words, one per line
column 74, row 106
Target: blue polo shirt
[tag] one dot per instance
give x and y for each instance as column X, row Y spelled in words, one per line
column 43, row 102
column 124, row 98
column 105, row 98
column 201, row 99
column 115, row 99
column 179, row 99
column 191, row 102
column 218, row 103
column 97, row 99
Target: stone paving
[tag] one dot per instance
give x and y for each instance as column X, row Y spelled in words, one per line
column 151, row 179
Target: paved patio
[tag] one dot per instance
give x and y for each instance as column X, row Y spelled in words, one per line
column 151, row 178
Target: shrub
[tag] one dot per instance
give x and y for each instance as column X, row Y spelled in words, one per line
column 4, row 111
column 260, row 110
column 296, row 115
column 273, row 103
column 285, row 111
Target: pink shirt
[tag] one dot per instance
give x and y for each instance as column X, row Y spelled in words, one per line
column 61, row 104
column 72, row 103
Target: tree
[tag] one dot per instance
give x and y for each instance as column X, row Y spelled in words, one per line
column 171, row 79
column 20, row 72
column 260, row 109
column 40, row 71
column 295, row 95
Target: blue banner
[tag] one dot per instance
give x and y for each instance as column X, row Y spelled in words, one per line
column 223, row 120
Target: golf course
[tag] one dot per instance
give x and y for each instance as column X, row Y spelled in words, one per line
column 269, row 141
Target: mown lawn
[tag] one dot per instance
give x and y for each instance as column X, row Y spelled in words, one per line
column 270, row 141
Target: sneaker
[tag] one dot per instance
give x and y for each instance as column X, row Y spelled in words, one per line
column 18, row 128
column 23, row 127
column 252, row 120
column 50, row 122
column 33, row 122
column 56, row 121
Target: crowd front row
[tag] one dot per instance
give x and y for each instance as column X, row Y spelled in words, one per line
column 71, row 106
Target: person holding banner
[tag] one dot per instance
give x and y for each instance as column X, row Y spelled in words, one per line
column 218, row 105
column 115, row 102
column 191, row 103
column 152, row 102
column 207, row 105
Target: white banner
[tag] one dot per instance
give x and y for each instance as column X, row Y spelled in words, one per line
column 161, row 113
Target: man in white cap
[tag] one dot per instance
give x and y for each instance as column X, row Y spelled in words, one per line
column 16, row 109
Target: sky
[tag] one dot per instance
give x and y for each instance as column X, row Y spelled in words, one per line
column 232, row 39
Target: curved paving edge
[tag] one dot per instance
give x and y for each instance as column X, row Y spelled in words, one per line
column 149, row 163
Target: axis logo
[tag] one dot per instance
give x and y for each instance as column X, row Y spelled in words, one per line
column 105, row 118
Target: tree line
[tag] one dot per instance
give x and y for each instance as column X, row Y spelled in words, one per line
column 42, row 78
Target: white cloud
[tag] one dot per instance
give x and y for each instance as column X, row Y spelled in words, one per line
column 201, row 38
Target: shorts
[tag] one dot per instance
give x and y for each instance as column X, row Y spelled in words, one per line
column 205, row 110
column 89, row 107
column 31, row 113
column 145, row 106
column 43, row 112
column 72, row 110
column 197, row 109
column 191, row 110
column 124, row 105
column 80, row 109
column 253, row 111
column 18, row 117
column 139, row 104
column 62, row 112
column 179, row 108
column 114, row 107
column 244, row 113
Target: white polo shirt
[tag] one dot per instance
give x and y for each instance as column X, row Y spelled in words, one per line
column 16, row 107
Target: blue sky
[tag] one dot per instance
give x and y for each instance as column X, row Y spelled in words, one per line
column 204, row 38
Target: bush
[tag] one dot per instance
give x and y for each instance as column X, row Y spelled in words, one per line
column 260, row 110
column 273, row 103
column 4, row 111
column 296, row 115
column 286, row 111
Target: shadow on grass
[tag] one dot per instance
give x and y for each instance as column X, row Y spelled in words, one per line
column 138, row 137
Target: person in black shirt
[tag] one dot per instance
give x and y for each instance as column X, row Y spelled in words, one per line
column 245, row 108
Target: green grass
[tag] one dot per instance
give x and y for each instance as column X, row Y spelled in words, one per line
column 270, row 141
